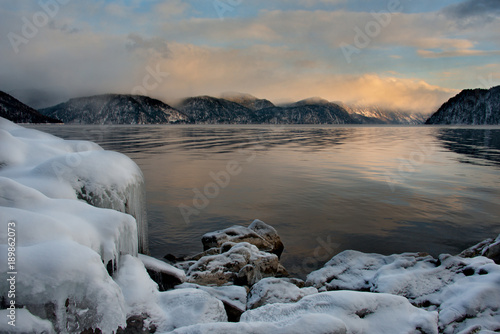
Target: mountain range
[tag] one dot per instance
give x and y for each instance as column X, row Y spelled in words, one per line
column 470, row 106
column 478, row 106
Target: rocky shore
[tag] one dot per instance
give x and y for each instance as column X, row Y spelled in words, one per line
column 73, row 227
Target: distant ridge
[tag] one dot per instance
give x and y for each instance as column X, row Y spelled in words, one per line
column 18, row 112
column 115, row 109
column 471, row 107
column 231, row 108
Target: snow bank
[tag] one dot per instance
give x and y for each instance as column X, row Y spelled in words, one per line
column 66, row 169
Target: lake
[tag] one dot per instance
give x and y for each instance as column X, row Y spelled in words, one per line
column 383, row 189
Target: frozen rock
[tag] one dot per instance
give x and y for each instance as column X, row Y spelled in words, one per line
column 39, row 219
column 164, row 274
column 361, row 312
column 307, row 323
column 74, row 170
column 73, row 292
column 234, row 297
column 276, row 290
column 489, row 248
column 240, row 263
column 185, row 307
column 258, row 233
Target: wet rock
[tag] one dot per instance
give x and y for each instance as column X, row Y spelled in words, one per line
column 489, row 248
column 240, row 263
column 263, row 236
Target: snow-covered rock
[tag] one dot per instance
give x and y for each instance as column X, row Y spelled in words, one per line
column 65, row 248
column 185, row 307
column 234, row 297
column 277, row 290
column 307, row 323
column 240, row 263
column 164, row 274
column 65, row 169
column 258, row 233
column 357, row 312
column 465, row 291
column 489, row 248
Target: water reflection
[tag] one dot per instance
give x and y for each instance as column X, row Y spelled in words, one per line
column 479, row 146
column 324, row 189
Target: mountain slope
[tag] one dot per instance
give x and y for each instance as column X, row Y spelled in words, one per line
column 212, row 110
column 470, row 106
column 377, row 115
column 115, row 109
column 248, row 101
column 16, row 111
column 308, row 111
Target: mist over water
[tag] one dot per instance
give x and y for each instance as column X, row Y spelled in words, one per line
column 380, row 189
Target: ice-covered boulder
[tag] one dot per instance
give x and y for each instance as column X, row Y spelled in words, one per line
column 277, row 290
column 67, row 169
column 241, row 263
column 359, row 312
column 257, row 233
column 234, row 297
column 185, row 307
column 73, row 292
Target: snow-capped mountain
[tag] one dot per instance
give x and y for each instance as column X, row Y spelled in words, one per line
column 377, row 115
column 18, row 112
column 248, row 101
column 115, row 109
column 212, row 110
column 470, row 106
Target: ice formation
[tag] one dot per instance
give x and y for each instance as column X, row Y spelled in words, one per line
column 66, row 169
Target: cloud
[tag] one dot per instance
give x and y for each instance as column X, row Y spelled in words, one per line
column 473, row 12
column 209, row 71
column 155, row 46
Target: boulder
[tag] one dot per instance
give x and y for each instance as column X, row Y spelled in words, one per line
column 357, row 312
column 185, row 307
column 489, row 248
column 263, row 236
column 277, row 290
column 240, row 263
column 164, row 274
column 234, row 297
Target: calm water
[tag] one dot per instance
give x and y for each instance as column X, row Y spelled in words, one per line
column 325, row 189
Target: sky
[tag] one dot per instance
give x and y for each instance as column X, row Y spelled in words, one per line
column 400, row 54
